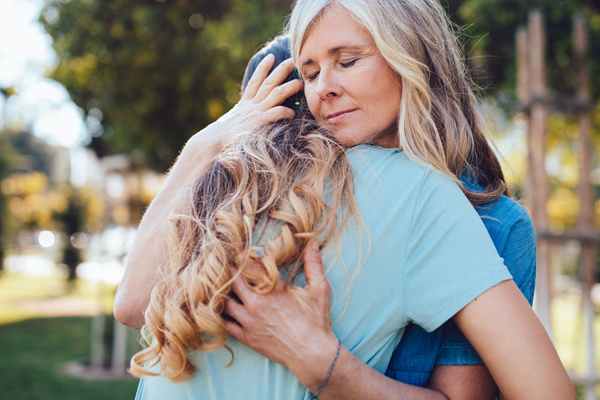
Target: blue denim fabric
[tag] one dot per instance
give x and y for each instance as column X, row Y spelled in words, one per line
column 512, row 232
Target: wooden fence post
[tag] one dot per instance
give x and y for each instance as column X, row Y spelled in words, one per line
column 586, row 199
column 538, row 180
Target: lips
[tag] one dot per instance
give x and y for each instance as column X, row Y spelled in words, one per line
column 339, row 116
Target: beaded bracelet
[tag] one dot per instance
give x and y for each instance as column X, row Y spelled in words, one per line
column 329, row 373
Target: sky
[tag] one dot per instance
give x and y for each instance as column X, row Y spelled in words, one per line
column 26, row 58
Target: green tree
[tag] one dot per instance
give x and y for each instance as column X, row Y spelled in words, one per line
column 157, row 71
column 489, row 36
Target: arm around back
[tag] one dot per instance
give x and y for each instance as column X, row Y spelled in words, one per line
column 444, row 359
column 149, row 249
column 458, row 368
column 514, row 345
column 259, row 105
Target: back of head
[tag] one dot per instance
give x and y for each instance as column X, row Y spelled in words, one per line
column 438, row 120
column 265, row 186
column 279, row 47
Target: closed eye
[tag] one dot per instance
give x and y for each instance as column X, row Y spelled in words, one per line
column 311, row 77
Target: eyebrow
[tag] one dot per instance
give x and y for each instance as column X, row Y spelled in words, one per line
column 335, row 50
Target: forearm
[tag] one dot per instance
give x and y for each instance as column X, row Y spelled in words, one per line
column 150, row 246
column 512, row 342
column 353, row 379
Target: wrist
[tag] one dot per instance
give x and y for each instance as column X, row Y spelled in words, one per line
column 208, row 140
column 197, row 153
column 313, row 363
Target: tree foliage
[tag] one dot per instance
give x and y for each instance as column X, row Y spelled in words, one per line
column 489, row 35
column 158, row 71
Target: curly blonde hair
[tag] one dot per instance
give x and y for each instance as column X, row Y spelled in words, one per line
column 285, row 180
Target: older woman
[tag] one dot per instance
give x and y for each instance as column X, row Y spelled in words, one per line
column 369, row 92
column 442, row 360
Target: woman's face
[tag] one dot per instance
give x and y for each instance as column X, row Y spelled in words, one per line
column 349, row 87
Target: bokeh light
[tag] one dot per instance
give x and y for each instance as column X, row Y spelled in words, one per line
column 47, row 239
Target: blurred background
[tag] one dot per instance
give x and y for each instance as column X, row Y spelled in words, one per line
column 98, row 97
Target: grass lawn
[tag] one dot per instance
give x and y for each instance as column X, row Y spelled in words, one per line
column 34, row 353
column 34, row 350
column 22, row 295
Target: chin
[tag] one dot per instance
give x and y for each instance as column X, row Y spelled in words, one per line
column 348, row 139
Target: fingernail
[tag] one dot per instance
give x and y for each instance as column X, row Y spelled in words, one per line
column 315, row 245
column 269, row 56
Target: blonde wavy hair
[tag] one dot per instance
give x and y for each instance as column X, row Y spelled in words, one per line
column 438, row 120
column 283, row 182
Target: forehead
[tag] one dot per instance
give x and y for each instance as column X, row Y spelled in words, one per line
column 333, row 29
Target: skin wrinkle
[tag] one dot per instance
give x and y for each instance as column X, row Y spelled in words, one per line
column 359, row 48
column 438, row 123
column 368, row 87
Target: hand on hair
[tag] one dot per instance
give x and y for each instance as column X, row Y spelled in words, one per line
column 280, row 328
column 262, row 97
column 259, row 105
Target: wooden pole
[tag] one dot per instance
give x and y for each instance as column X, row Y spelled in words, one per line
column 538, row 181
column 586, row 199
column 524, row 96
column 523, row 92
column 119, row 351
column 97, row 341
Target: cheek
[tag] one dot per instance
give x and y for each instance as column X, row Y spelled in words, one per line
column 374, row 87
column 387, row 93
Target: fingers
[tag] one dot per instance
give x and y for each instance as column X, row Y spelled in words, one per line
column 316, row 280
column 279, row 74
column 235, row 331
column 235, row 310
column 259, row 76
column 240, row 289
column 253, row 267
column 254, row 271
column 280, row 93
column 279, row 113
column 313, row 265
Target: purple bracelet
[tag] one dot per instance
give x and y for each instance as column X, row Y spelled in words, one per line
column 329, row 373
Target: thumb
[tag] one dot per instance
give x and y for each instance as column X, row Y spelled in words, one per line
column 316, row 281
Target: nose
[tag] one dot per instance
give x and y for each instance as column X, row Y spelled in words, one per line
column 328, row 87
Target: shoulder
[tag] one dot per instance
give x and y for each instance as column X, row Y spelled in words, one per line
column 396, row 169
column 508, row 223
column 368, row 156
column 511, row 229
column 506, row 220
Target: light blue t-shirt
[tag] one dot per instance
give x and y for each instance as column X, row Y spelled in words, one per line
column 513, row 235
column 426, row 254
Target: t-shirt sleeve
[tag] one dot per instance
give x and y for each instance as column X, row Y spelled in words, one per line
column 450, row 258
column 519, row 255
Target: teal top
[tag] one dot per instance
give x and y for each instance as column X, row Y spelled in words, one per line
column 426, row 254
